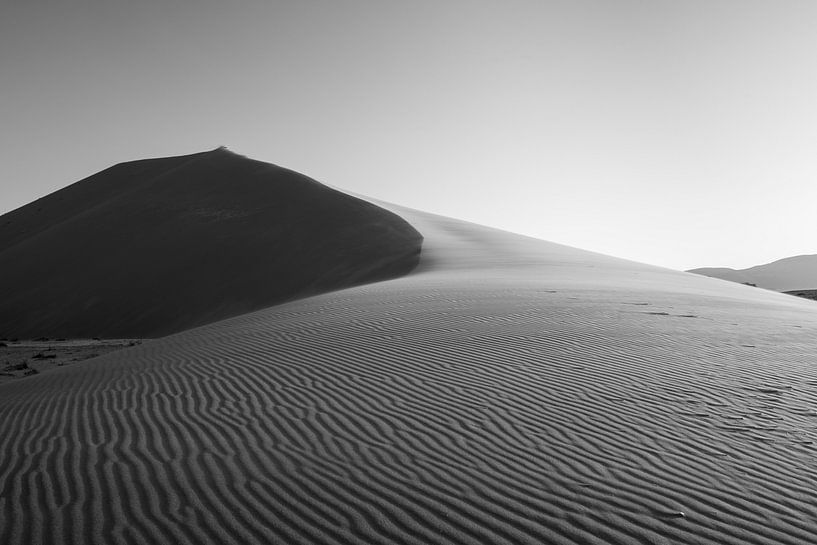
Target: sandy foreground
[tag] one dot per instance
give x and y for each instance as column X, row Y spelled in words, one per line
column 508, row 391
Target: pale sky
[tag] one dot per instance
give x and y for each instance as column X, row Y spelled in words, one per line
column 677, row 133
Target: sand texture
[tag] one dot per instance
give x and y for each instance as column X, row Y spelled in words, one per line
column 152, row 247
column 508, row 391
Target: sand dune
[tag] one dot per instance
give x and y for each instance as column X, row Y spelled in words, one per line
column 152, row 247
column 508, row 391
column 788, row 274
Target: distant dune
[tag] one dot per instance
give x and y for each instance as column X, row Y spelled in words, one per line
column 152, row 247
column 508, row 391
column 789, row 274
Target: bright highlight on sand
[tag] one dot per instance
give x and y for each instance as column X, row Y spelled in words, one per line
column 502, row 390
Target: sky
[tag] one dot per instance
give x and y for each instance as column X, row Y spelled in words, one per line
column 680, row 134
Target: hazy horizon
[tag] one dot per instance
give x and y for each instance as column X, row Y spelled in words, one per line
column 675, row 134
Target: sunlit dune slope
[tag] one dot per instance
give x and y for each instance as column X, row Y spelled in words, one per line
column 508, row 391
column 788, row 274
column 153, row 247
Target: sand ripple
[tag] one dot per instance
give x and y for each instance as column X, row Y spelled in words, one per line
column 476, row 407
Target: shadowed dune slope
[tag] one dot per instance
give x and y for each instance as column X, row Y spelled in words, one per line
column 788, row 274
column 509, row 391
column 724, row 273
column 152, row 247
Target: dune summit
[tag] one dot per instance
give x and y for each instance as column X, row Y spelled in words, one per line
column 507, row 391
column 151, row 247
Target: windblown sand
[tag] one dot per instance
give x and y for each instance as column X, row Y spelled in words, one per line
column 152, row 247
column 508, row 391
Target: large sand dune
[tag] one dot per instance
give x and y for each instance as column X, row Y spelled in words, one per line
column 508, row 391
column 152, row 247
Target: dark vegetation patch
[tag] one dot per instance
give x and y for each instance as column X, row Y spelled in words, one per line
column 805, row 294
column 26, row 358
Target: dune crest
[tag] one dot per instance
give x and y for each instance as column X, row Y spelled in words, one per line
column 152, row 247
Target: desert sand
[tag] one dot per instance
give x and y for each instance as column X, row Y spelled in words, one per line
column 152, row 247
column 797, row 273
column 507, row 391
